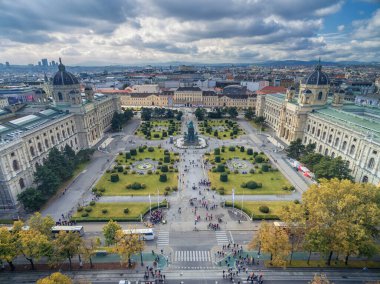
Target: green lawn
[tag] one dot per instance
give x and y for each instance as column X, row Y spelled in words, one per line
column 116, row 211
column 223, row 135
column 159, row 123
column 151, row 181
column 252, row 207
column 272, row 183
column 156, row 155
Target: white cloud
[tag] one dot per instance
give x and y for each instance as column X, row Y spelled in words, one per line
column 341, row 28
column 329, row 10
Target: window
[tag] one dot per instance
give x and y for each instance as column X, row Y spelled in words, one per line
column 58, row 137
column 336, row 141
column 365, row 179
column 16, row 166
column 330, row 138
column 352, row 150
column 312, row 131
column 333, row 155
column 46, row 143
column 52, row 140
column 326, row 152
column 323, row 135
column 39, row 146
column 318, row 132
column 371, row 163
column 320, row 95
column 21, row 183
column 320, row 149
column 32, row 151
column 60, row 97
column 344, row 145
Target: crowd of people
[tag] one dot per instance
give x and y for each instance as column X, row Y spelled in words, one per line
column 156, row 216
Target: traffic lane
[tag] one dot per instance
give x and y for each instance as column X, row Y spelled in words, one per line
column 192, row 240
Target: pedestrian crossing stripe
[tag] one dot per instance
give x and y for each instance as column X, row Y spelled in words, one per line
column 195, row 267
column 190, row 256
column 221, row 237
column 163, row 238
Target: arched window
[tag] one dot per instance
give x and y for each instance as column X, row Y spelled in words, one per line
column 58, row 137
column 333, row 155
column 32, row 151
column 318, row 132
column 326, row 152
column 365, row 179
column 324, row 135
column 312, row 131
column 21, row 183
column 308, row 127
column 60, row 97
column 320, row 95
column 344, row 145
column 371, row 163
column 63, row 134
column 52, row 140
column 71, row 143
column 39, row 146
column 16, row 166
column 46, row 143
column 352, row 149
column 336, row 141
column 320, row 149
column 330, row 138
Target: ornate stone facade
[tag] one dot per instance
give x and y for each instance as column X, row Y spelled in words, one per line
column 338, row 129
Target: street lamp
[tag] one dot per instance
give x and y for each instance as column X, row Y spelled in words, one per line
column 141, row 258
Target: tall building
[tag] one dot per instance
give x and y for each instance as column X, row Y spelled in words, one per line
column 44, row 62
column 336, row 127
column 76, row 119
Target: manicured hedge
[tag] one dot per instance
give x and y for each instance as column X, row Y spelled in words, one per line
column 249, row 213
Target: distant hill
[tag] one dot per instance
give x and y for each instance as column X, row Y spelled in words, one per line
column 312, row 63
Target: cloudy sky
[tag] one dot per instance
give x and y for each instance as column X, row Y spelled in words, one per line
column 151, row 31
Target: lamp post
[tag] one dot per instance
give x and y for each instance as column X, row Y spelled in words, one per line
column 141, row 258
column 233, row 198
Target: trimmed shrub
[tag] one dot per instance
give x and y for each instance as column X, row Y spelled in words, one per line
column 284, row 187
column 175, row 188
column 291, row 188
column 84, row 214
column 223, row 177
column 264, row 209
column 221, row 190
column 80, row 209
column 265, row 168
column 252, row 184
column 114, row 177
column 166, row 159
column 296, row 201
column 149, row 172
column 259, row 159
column 120, row 169
column 150, row 149
column 92, row 203
column 220, row 168
column 163, row 178
column 242, row 149
column 216, row 151
column 251, row 171
column 164, row 168
column 141, row 149
column 156, row 135
column 232, row 148
column 102, row 189
column 236, row 171
column 127, row 155
column 167, row 188
column 133, row 152
column 88, row 209
column 104, row 211
column 126, row 210
column 217, row 159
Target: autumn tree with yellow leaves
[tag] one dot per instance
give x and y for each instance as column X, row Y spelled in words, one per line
column 8, row 247
column 66, row 245
column 126, row 245
column 272, row 240
column 338, row 216
column 88, row 249
column 55, row 278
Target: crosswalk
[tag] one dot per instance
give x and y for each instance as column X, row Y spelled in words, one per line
column 221, row 238
column 163, row 238
column 192, row 255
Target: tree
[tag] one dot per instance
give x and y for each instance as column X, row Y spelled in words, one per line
column 41, row 224
column 67, row 245
column 55, row 278
column 200, row 113
column 31, row 198
column 332, row 168
column 340, row 216
column 88, row 249
column 296, row 149
column 232, row 112
column 259, row 120
column 126, row 245
column 33, row 245
column 116, row 122
column 249, row 113
column 179, row 115
column 109, row 232
column 311, row 160
column 8, row 247
column 320, row 279
column 146, row 114
column 273, row 240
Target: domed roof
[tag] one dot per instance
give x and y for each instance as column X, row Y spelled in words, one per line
column 307, row 91
column 317, row 77
column 62, row 77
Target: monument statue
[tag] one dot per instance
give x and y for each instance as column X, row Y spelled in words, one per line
column 191, row 136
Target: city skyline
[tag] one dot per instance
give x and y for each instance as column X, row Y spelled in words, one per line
column 143, row 32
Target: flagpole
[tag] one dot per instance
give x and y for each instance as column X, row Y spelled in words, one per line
column 150, row 206
column 158, row 202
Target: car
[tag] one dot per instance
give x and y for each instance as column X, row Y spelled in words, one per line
column 124, row 282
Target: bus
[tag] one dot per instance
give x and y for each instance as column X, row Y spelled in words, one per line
column 144, row 234
column 77, row 229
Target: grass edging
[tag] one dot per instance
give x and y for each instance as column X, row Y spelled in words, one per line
column 123, row 219
column 251, row 215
